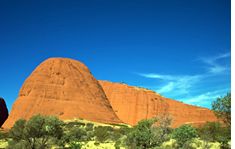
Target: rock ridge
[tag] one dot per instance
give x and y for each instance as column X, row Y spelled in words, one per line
column 133, row 104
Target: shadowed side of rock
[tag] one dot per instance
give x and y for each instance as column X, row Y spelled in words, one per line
column 3, row 111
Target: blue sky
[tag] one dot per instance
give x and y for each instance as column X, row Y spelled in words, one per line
column 179, row 48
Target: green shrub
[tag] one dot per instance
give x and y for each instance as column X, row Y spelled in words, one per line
column 214, row 132
column 140, row 135
column 184, row 135
column 22, row 144
column 73, row 137
column 150, row 133
column 124, row 130
column 161, row 130
column 89, row 127
column 4, row 135
column 103, row 133
column 117, row 144
column 38, row 132
column 222, row 109
column 97, row 143
column 73, row 124
column 75, row 145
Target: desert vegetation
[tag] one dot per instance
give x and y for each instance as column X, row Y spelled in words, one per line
column 42, row 132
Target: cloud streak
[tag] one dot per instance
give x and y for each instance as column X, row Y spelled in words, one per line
column 176, row 84
column 214, row 66
column 181, row 86
column 205, row 98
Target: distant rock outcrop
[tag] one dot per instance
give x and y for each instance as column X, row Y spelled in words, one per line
column 133, row 104
column 65, row 88
column 3, row 111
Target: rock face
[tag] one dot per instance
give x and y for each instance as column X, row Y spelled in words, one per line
column 65, row 88
column 133, row 104
column 3, row 111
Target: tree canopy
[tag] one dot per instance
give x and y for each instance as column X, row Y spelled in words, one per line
column 222, row 108
column 36, row 133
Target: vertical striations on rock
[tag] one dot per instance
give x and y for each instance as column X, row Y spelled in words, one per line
column 65, row 88
column 133, row 104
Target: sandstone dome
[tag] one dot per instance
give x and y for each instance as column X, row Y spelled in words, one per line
column 65, row 88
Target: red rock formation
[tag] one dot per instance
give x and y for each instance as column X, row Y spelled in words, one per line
column 64, row 88
column 3, row 111
column 133, row 104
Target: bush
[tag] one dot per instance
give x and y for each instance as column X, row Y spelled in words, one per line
column 124, row 130
column 184, row 135
column 103, row 133
column 161, row 130
column 38, row 132
column 4, row 135
column 73, row 136
column 75, row 145
column 222, row 109
column 22, row 144
column 213, row 132
column 89, row 127
column 140, row 136
column 150, row 133
column 73, row 124
column 117, row 144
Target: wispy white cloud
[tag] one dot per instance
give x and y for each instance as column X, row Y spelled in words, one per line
column 177, row 84
column 159, row 76
column 205, row 98
column 182, row 85
column 167, row 88
column 213, row 62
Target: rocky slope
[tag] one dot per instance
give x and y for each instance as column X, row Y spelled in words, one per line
column 64, row 88
column 132, row 104
column 3, row 111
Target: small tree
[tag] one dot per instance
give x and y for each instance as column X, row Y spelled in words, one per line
column 215, row 132
column 150, row 133
column 184, row 135
column 140, row 136
column 222, row 109
column 210, row 131
column 161, row 130
column 73, row 137
column 103, row 133
column 3, row 135
column 35, row 133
